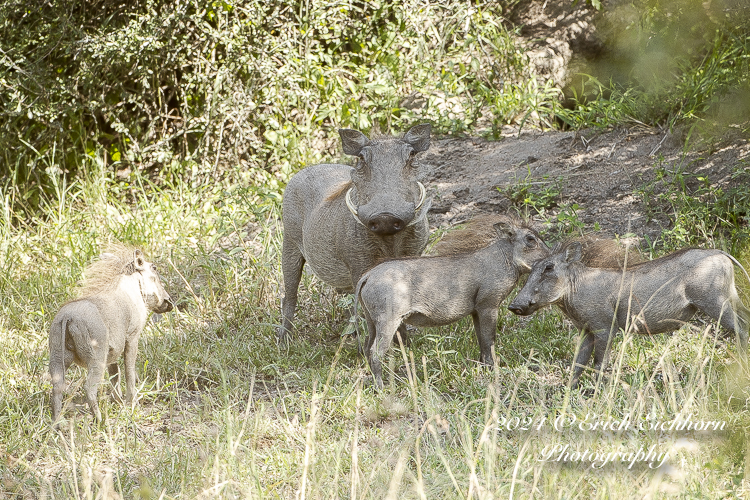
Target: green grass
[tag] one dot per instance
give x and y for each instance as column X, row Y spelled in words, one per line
column 224, row 412
column 703, row 210
column 539, row 198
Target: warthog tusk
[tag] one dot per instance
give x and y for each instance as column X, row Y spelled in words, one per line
column 351, row 206
column 422, row 198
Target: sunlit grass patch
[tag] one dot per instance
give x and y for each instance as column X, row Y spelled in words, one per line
column 226, row 412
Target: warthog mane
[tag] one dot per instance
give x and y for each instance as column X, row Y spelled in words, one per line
column 603, row 253
column 103, row 274
column 477, row 234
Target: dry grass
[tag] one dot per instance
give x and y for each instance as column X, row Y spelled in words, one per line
column 223, row 412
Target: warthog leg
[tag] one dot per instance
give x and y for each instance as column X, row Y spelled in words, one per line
column 732, row 322
column 582, row 359
column 93, row 378
column 131, row 350
column 403, row 335
column 371, row 334
column 292, row 262
column 742, row 321
column 485, row 324
column 58, row 384
column 114, row 378
column 601, row 351
column 598, row 343
column 385, row 329
column 728, row 314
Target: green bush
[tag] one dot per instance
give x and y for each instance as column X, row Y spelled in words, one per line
column 247, row 89
column 227, row 89
column 701, row 210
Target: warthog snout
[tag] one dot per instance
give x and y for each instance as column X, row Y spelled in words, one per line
column 516, row 308
column 165, row 306
column 385, row 224
column 386, row 213
column 523, row 305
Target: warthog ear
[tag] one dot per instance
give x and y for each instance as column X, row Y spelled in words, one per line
column 353, row 141
column 504, row 230
column 573, row 252
column 139, row 261
column 418, row 137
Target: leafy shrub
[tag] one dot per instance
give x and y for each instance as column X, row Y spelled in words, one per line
column 700, row 210
column 539, row 196
column 230, row 88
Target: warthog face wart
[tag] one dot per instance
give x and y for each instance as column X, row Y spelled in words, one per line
column 385, row 197
column 547, row 282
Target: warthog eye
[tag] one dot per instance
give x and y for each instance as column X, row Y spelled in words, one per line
column 530, row 240
column 549, row 267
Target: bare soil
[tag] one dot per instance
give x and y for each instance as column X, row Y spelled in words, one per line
column 601, row 171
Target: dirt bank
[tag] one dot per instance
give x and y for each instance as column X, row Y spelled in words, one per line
column 600, row 171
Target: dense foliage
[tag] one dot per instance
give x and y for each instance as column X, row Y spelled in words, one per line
column 669, row 62
column 248, row 89
column 195, row 89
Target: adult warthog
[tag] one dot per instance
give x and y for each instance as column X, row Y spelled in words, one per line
column 439, row 290
column 106, row 320
column 649, row 297
column 341, row 220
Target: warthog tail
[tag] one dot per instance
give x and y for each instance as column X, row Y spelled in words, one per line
column 57, row 348
column 737, row 263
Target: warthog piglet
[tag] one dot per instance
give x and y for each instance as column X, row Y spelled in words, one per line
column 649, row 297
column 106, row 320
column 435, row 291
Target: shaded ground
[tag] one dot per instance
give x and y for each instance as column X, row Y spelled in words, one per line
column 598, row 170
